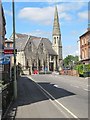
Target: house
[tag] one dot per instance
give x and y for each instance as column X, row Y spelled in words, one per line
column 85, row 47
column 2, row 28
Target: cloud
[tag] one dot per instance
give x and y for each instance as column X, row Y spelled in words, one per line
column 45, row 15
column 83, row 15
column 70, row 50
column 40, row 33
column 41, row 15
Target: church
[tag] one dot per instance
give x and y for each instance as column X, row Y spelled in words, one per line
column 39, row 53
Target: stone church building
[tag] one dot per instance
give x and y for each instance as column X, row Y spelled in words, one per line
column 39, row 53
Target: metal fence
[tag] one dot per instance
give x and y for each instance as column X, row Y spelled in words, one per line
column 7, row 96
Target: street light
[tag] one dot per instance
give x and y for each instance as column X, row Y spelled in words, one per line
column 14, row 47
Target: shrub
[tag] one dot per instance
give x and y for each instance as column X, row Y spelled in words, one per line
column 83, row 70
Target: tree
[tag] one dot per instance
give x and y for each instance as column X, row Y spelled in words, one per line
column 70, row 60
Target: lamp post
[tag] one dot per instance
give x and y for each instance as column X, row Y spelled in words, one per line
column 15, row 82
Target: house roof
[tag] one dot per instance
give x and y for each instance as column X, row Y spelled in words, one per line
column 48, row 46
column 86, row 32
column 8, row 40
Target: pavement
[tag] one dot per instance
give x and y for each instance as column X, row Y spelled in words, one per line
column 50, row 96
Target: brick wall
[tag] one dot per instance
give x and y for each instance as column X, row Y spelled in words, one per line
column 69, row 72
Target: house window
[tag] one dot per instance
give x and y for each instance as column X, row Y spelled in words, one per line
column 83, row 54
column 8, row 45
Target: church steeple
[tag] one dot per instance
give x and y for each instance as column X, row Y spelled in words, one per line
column 56, row 35
column 56, row 26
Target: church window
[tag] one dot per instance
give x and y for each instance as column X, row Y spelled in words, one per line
column 42, row 47
column 55, row 40
column 30, row 46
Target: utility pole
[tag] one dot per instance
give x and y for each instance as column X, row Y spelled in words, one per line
column 14, row 47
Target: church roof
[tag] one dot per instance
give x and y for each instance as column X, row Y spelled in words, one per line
column 21, row 42
column 36, row 40
column 48, row 46
column 56, row 26
column 21, row 35
column 23, row 39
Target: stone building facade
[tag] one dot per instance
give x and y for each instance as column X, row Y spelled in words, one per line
column 39, row 53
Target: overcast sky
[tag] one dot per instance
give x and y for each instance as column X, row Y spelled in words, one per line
column 36, row 18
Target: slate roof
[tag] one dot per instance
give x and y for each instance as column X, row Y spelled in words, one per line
column 48, row 46
column 23, row 39
column 21, row 42
column 36, row 40
column 21, row 35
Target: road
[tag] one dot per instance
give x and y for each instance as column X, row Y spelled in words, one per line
column 71, row 92
column 51, row 96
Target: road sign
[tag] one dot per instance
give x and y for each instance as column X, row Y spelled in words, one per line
column 4, row 60
column 9, row 51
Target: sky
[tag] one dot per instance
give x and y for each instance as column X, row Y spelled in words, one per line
column 36, row 18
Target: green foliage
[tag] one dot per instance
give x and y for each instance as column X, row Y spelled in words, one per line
column 69, row 60
column 83, row 69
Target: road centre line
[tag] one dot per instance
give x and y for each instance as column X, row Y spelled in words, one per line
column 42, row 90
column 56, row 100
column 74, row 86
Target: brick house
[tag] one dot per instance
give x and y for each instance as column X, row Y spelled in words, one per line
column 85, row 47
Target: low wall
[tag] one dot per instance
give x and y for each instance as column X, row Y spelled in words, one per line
column 69, row 72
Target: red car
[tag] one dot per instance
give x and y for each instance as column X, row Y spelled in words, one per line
column 35, row 72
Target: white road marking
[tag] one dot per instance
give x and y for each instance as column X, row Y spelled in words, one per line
column 56, row 101
column 74, row 86
column 86, row 90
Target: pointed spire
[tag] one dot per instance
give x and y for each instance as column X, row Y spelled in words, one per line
column 56, row 27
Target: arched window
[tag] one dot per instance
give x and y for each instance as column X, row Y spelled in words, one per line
column 54, row 40
column 30, row 46
column 42, row 47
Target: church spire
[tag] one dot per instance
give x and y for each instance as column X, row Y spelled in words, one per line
column 56, row 26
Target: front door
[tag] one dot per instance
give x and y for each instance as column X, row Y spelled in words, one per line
column 51, row 66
